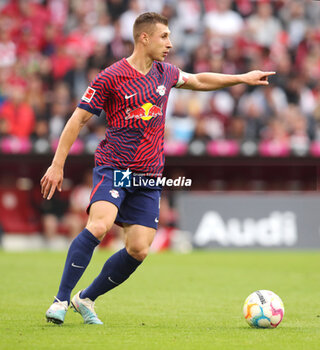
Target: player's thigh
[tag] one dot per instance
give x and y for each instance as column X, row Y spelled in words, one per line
column 138, row 239
column 102, row 215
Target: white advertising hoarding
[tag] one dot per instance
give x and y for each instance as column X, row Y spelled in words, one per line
column 262, row 220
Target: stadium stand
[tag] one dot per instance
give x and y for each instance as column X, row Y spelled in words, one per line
column 46, row 64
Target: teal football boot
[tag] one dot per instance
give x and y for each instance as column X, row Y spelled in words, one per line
column 85, row 307
column 57, row 312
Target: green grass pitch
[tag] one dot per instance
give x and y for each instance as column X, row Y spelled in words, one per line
column 173, row 301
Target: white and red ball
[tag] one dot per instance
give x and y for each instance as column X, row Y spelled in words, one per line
column 263, row 309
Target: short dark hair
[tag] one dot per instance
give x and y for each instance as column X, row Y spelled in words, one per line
column 146, row 19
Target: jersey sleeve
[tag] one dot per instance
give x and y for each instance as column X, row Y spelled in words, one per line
column 172, row 73
column 94, row 98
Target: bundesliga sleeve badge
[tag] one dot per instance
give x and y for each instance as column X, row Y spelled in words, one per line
column 88, row 95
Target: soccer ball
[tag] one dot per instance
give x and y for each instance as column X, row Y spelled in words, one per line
column 263, row 309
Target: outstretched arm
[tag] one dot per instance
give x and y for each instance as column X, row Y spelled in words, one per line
column 215, row 81
column 53, row 177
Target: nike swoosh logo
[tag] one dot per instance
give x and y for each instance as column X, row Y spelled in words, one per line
column 126, row 96
column 113, row 281
column 156, row 220
column 78, row 266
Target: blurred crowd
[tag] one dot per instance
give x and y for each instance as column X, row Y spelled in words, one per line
column 50, row 51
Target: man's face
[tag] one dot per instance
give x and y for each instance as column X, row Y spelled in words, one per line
column 159, row 42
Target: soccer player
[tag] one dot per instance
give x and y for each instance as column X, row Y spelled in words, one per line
column 134, row 93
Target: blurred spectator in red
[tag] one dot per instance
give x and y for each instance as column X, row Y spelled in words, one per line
column 61, row 62
column 245, row 7
column 81, row 41
column 16, row 113
column 30, row 19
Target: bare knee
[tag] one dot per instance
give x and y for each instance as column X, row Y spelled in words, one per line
column 98, row 228
column 138, row 252
column 101, row 218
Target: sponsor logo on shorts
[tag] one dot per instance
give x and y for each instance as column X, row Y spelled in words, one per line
column 126, row 178
column 114, row 193
column 122, row 178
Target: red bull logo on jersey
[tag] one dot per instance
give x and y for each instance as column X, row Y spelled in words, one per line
column 145, row 112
